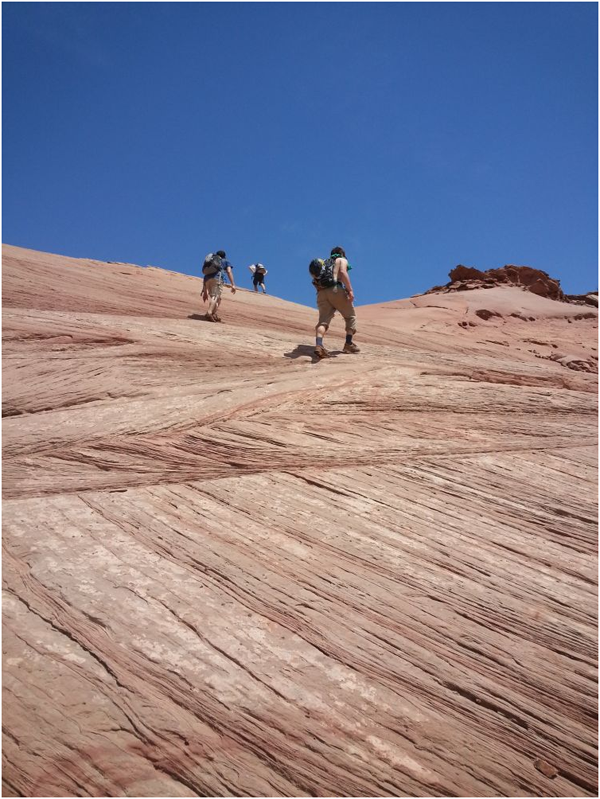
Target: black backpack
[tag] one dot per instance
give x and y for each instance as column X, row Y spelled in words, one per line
column 322, row 272
column 212, row 265
column 259, row 269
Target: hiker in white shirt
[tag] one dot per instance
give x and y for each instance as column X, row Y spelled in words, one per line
column 258, row 276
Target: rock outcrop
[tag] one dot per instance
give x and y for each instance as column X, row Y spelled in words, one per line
column 465, row 278
column 584, row 299
column 231, row 571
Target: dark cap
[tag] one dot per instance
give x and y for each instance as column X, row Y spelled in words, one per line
column 221, row 253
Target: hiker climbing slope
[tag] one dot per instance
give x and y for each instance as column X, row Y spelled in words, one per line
column 334, row 293
column 214, row 268
column 258, row 276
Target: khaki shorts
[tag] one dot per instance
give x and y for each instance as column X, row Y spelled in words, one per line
column 335, row 299
column 214, row 287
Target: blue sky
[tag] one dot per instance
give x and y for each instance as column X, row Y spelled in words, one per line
column 416, row 135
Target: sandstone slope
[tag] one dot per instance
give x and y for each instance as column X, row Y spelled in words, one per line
column 231, row 571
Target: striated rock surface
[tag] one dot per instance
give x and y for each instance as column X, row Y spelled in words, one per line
column 231, row 571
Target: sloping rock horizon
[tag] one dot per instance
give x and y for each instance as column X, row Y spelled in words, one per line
column 229, row 570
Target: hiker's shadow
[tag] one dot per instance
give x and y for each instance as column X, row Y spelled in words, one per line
column 307, row 351
column 201, row 317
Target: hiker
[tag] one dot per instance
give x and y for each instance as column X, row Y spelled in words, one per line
column 334, row 293
column 214, row 268
column 258, row 276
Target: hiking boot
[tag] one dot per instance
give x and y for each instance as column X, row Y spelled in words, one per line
column 321, row 352
column 211, row 317
column 350, row 348
column 217, row 318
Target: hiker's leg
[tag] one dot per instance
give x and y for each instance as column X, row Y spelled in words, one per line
column 320, row 350
column 346, row 308
column 213, row 287
column 326, row 314
column 339, row 299
column 350, row 322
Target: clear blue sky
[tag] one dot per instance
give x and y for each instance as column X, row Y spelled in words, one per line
column 416, row 135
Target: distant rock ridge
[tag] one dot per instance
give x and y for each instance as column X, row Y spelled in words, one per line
column 466, row 278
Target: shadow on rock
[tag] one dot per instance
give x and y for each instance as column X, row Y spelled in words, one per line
column 199, row 316
column 306, row 350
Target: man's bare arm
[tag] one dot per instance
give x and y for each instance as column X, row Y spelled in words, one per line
column 344, row 277
column 231, row 280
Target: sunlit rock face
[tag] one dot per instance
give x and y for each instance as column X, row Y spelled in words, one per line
column 229, row 570
column 467, row 278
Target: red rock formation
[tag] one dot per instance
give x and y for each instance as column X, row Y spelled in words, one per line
column 584, row 299
column 464, row 278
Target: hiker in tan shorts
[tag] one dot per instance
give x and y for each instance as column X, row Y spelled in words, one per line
column 214, row 268
column 334, row 293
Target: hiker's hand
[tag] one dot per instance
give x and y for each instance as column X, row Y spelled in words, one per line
column 233, row 289
column 351, row 295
